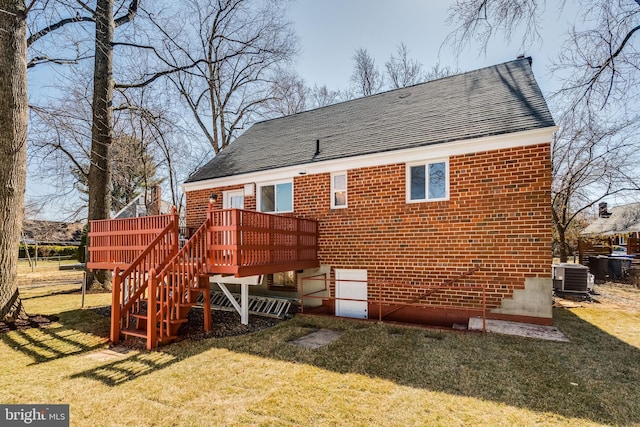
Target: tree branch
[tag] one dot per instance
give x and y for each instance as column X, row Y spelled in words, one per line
column 43, row 32
column 37, row 60
column 128, row 17
column 156, row 76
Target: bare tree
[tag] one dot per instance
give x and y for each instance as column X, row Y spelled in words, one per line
column 235, row 45
column 288, row 95
column 599, row 64
column 403, row 71
column 439, row 72
column 322, row 96
column 366, row 77
column 591, row 161
column 13, row 141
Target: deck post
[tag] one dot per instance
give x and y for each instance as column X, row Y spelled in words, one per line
column 151, row 311
column 206, row 301
column 237, row 237
column 175, row 230
column 243, row 307
column 244, row 303
column 115, row 307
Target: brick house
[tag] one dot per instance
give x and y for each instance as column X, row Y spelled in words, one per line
column 423, row 195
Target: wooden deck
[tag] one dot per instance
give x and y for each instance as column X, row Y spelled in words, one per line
column 238, row 242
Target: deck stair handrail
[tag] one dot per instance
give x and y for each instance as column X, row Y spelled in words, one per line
column 176, row 286
column 445, row 285
column 129, row 287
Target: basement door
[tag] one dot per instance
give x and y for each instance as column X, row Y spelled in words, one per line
column 352, row 285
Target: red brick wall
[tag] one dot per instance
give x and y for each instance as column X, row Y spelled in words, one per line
column 497, row 218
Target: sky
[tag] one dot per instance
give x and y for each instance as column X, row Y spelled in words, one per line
column 330, row 31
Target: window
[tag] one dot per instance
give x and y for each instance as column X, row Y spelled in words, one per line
column 284, row 281
column 276, row 197
column 428, row 181
column 339, row 190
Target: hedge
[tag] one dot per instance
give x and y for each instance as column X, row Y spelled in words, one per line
column 48, row 250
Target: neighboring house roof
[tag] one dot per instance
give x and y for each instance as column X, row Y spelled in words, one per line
column 496, row 100
column 137, row 208
column 623, row 220
column 51, row 231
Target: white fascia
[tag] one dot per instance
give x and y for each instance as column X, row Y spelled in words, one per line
column 409, row 155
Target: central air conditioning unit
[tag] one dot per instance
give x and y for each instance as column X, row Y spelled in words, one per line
column 571, row 278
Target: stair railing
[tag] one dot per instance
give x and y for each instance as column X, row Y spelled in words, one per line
column 176, row 280
column 129, row 286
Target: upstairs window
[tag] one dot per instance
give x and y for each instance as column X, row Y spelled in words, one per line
column 276, row 197
column 339, row 190
column 428, row 181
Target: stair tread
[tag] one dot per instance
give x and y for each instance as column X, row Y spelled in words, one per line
column 141, row 333
column 181, row 304
column 171, row 321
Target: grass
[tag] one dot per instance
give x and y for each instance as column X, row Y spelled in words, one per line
column 47, row 271
column 374, row 374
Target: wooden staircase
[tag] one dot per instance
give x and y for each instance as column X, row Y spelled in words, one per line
column 153, row 296
column 156, row 283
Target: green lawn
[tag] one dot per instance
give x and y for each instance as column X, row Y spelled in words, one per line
column 375, row 374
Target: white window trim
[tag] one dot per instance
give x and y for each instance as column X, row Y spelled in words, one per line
column 425, row 163
column 227, row 195
column 333, row 190
column 274, row 183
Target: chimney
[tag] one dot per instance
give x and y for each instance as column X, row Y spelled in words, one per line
column 602, row 210
column 156, row 200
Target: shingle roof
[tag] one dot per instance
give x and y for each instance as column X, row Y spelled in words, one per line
column 624, row 219
column 495, row 100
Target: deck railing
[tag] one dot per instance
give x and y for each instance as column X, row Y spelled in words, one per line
column 118, row 242
column 247, row 243
column 238, row 242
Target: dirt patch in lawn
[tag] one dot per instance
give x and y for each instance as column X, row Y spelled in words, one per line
column 607, row 296
column 225, row 324
column 36, row 321
column 622, row 296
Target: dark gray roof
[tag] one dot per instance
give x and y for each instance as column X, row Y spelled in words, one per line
column 495, row 100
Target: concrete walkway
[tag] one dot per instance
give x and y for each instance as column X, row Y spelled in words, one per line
column 317, row 339
column 549, row 333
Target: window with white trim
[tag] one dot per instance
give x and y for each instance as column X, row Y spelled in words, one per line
column 283, row 281
column 428, row 181
column 339, row 190
column 276, row 197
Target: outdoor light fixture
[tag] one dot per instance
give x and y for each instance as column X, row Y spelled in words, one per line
column 213, row 198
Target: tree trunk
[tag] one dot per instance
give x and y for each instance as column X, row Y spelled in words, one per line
column 101, row 129
column 13, row 154
column 564, row 247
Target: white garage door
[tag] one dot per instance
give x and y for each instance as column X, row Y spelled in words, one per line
column 351, row 284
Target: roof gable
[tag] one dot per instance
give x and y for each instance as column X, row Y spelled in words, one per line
column 491, row 101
